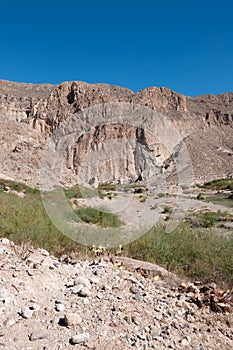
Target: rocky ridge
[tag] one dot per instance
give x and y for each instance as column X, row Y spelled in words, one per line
column 105, row 303
column 29, row 114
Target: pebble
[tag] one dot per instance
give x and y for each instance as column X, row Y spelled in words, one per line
column 30, row 272
column 190, row 318
column 79, row 338
column 70, row 283
column 59, row 301
column 84, row 292
column 77, row 289
column 3, row 294
column 141, row 336
column 44, row 252
column 27, row 312
column 7, row 242
column 83, row 282
column 37, row 336
column 72, row 319
column 10, row 321
column 94, row 280
column 185, row 342
column 60, row 307
column 35, row 307
column 134, row 290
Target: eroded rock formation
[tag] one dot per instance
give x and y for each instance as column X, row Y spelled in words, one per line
column 107, row 144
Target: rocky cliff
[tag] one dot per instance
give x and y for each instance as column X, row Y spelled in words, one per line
column 117, row 135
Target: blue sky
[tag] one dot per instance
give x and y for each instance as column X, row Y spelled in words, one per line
column 184, row 45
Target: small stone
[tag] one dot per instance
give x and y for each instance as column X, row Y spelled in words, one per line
column 3, row 294
column 26, row 312
column 155, row 336
column 44, row 252
column 10, row 321
column 70, row 283
column 190, row 318
column 136, row 320
column 86, row 301
column 94, row 280
column 30, row 272
column 35, row 307
column 56, row 320
column 82, row 281
column 99, row 296
column 60, row 307
column 59, row 301
column 77, row 289
column 134, row 290
column 37, row 336
column 184, row 342
column 33, row 300
column 6, row 241
column 84, row 292
column 72, row 319
column 141, row 336
column 79, row 338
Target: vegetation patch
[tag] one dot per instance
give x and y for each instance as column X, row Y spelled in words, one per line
column 107, row 187
column 8, row 185
column 187, row 252
column 219, row 184
column 194, row 252
column 98, row 217
column 25, row 219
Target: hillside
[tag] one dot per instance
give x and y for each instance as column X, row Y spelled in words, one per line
column 150, row 129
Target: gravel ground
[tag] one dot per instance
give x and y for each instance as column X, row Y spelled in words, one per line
column 46, row 303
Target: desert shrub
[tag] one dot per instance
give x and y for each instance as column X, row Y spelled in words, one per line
column 167, row 210
column 201, row 196
column 107, row 187
column 17, row 187
column 161, row 194
column 98, row 217
column 209, row 219
column 220, row 184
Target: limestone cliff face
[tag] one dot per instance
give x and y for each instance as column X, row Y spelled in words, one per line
column 114, row 152
column 112, row 149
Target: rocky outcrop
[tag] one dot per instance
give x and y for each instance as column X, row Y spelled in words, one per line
column 31, row 114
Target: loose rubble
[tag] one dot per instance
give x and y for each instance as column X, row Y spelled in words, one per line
column 106, row 305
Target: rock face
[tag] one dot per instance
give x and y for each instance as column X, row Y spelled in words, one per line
column 31, row 114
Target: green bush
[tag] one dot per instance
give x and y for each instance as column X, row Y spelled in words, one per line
column 98, row 217
column 201, row 196
column 107, row 187
column 161, row 194
column 17, row 187
column 220, row 184
column 209, row 219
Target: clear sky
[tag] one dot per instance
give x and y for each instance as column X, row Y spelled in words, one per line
column 185, row 45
